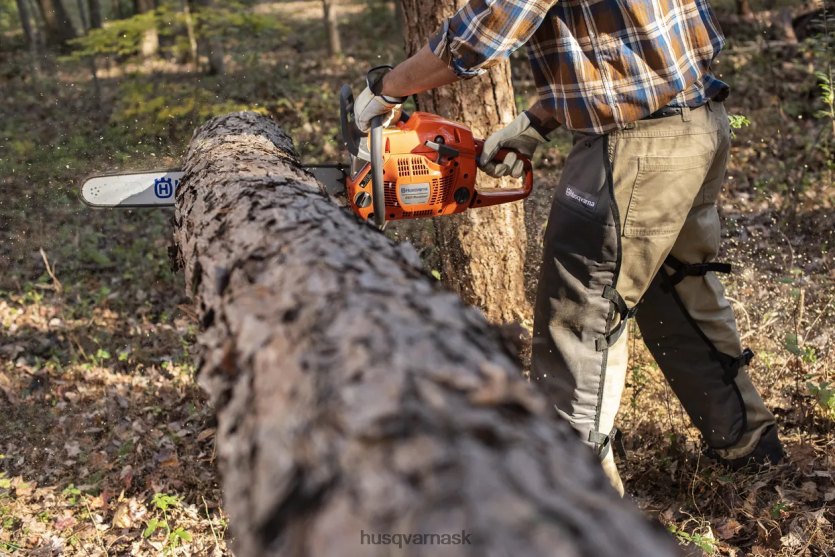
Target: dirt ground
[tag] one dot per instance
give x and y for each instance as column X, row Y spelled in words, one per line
column 106, row 441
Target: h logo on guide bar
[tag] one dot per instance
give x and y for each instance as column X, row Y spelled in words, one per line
column 163, row 188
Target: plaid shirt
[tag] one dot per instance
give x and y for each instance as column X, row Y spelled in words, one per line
column 598, row 64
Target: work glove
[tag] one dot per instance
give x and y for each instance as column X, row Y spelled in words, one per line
column 371, row 102
column 519, row 136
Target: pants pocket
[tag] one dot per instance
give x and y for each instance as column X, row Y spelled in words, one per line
column 663, row 193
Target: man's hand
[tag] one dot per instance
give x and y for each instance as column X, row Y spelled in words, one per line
column 368, row 105
column 518, row 136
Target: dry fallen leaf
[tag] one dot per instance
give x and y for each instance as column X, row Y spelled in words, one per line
column 73, row 448
column 809, row 491
column 121, row 517
column 170, row 461
column 726, row 528
column 206, row 433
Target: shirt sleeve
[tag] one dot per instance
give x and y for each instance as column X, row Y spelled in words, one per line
column 485, row 32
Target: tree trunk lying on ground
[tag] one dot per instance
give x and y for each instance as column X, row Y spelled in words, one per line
column 355, row 396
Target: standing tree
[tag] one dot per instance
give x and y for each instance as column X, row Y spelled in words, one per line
column 211, row 41
column 192, row 40
column 82, row 17
column 150, row 43
column 26, row 24
column 117, row 9
column 334, row 44
column 57, row 22
column 94, row 7
column 483, row 251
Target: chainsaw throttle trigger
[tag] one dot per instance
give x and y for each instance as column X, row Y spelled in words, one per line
column 443, row 150
column 497, row 196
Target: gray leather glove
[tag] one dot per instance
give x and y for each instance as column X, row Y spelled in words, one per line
column 518, row 136
column 368, row 105
column 372, row 102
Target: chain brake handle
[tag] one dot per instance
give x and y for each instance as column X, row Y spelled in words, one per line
column 487, row 198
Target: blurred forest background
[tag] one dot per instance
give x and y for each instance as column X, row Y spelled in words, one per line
column 106, row 442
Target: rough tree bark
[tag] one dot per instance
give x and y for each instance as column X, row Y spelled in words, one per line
column 354, row 395
column 57, row 23
column 482, row 251
column 334, row 43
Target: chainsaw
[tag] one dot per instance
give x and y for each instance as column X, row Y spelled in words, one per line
column 421, row 166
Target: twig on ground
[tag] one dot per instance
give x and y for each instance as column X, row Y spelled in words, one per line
column 815, row 322
column 742, row 307
column 212, row 526
column 51, row 271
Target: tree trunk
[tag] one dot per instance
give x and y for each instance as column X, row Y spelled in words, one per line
column 334, row 44
column 150, row 42
column 95, row 13
column 30, row 32
column 57, row 23
column 482, row 251
column 356, row 398
column 192, row 40
column 82, row 17
column 398, row 15
column 213, row 45
column 26, row 23
column 117, row 9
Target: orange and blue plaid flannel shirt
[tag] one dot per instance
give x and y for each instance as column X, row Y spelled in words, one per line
column 597, row 64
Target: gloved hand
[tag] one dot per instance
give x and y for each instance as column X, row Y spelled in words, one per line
column 519, row 136
column 371, row 102
column 368, row 105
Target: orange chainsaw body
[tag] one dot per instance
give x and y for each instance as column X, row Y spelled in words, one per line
column 422, row 182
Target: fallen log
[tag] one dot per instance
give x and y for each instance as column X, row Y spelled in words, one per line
column 355, row 397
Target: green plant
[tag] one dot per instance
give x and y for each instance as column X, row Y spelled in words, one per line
column 779, row 507
column 153, row 524
column 177, row 536
column 5, row 483
column 71, row 493
column 825, row 395
column 737, row 121
column 806, row 353
column 163, row 502
column 700, row 537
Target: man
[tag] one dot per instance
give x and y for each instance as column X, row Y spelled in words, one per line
column 633, row 229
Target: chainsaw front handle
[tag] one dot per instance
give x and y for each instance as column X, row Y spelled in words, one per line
column 378, row 193
column 487, row 198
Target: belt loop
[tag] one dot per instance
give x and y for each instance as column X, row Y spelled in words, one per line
column 685, row 113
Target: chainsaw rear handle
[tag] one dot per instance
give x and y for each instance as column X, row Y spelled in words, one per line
column 487, row 198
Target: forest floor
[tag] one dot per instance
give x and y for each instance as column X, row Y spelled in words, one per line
column 106, row 440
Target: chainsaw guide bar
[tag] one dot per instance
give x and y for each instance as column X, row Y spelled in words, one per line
column 157, row 188
column 420, row 165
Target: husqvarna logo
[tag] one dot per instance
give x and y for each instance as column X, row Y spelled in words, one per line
column 414, row 194
column 163, row 188
column 578, row 198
